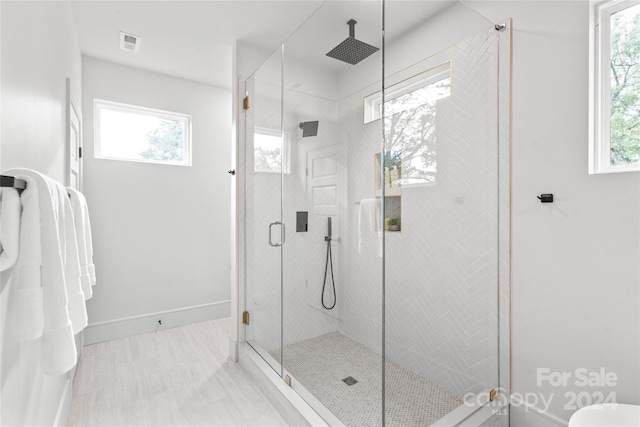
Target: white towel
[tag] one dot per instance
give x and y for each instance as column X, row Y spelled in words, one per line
column 58, row 348
column 85, row 246
column 9, row 227
column 369, row 234
column 75, row 296
column 28, row 311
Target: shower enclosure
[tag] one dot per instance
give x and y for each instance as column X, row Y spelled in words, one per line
column 406, row 323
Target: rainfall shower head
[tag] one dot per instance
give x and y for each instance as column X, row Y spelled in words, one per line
column 352, row 50
column 309, row 128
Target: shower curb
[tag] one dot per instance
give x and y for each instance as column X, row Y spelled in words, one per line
column 287, row 402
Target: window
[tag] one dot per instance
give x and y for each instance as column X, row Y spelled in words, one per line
column 410, row 125
column 615, row 89
column 270, row 151
column 132, row 133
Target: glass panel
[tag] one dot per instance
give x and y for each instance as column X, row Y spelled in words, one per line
column 263, row 161
column 270, row 151
column 442, row 167
column 333, row 280
column 625, row 86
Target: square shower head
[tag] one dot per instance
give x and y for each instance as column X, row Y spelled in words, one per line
column 309, row 128
column 352, row 51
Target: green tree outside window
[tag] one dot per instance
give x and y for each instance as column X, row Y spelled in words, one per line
column 165, row 142
column 625, row 86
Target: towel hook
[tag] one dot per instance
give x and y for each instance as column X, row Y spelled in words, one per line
column 7, row 181
column 546, row 198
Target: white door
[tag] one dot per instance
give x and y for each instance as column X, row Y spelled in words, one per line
column 74, row 141
column 325, row 198
column 323, row 189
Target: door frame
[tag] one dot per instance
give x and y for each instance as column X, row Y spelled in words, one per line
column 73, row 111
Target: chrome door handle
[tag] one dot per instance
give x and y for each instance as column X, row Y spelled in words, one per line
column 270, row 241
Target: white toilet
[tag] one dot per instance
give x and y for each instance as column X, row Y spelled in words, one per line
column 607, row 415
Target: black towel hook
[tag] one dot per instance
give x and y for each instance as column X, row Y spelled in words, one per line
column 7, row 181
column 546, row 198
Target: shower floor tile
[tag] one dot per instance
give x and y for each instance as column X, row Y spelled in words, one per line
column 321, row 364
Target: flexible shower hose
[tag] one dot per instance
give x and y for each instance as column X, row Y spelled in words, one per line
column 329, row 264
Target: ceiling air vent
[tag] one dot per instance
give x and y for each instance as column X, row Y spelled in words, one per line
column 130, row 42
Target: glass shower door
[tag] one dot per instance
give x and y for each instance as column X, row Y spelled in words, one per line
column 332, row 266
column 265, row 157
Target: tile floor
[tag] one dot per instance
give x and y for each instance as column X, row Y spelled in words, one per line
column 173, row 377
column 321, row 365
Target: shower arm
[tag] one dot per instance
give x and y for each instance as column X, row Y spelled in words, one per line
column 352, row 28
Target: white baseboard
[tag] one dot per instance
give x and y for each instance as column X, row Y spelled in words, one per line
column 526, row 415
column 144, row 323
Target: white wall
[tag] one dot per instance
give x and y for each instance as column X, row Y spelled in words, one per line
column 161, row 233
column 39, row 51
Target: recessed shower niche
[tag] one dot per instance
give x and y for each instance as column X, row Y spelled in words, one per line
column 391, row 176
column 420, row 319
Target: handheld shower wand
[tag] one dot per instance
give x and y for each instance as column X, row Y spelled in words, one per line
column 329, row 264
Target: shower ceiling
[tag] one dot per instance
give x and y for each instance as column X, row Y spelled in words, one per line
column 194, row 39
column 328, row 27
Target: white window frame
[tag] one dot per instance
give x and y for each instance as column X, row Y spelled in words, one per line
column 600, row 86
column 101, row 104
column 285, row 153
column 373, row 103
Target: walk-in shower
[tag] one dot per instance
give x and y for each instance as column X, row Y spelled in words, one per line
column 389, row 305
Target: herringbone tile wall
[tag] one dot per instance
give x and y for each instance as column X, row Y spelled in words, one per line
column 441, row 300
column 362, row 296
